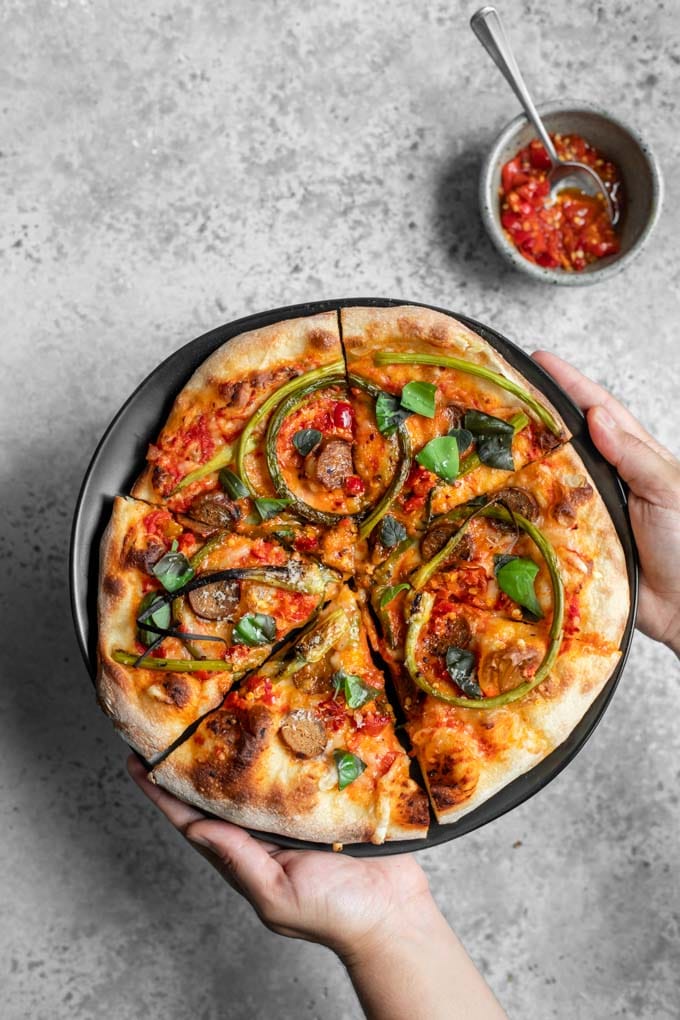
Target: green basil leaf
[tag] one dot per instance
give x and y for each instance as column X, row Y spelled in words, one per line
column 516, row 578
column 161, row 617
column 441, row 456
column 357, row 692
column 391, row 592
column 500, row 559
column 389, row 413
column 305, row 440
column 464, row 438
column 391, row 531
column 254, row 629
column 481, row 424
column 232, row 484
column 496, row 451
column 460, row 665
column 268, row 508
column 173, row 570
column 419, row 397
column 349, row 767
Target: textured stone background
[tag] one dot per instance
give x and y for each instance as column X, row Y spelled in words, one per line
column 169, row 166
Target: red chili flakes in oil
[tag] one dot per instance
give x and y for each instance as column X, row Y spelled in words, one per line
column 573, row 230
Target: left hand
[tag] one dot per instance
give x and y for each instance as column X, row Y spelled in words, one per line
column 345, row 903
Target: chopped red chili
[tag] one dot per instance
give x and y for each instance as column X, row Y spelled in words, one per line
column 343, row 415
column 574, row 229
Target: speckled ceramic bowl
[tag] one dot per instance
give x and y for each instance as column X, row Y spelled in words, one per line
column 641, row 180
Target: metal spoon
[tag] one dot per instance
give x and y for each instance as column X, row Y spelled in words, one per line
column 564, row 173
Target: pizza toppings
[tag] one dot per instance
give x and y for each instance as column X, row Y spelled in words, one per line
column 215, row 509
column 356, row 691
column 518, row 501
column 436, row 537
column 349, row 767
column 305, row 440
column 516, row 578
column 173, row 570
column 304, row 733
column 217, row 601
column 254, row 629
column 333, row 464
column 460, row 665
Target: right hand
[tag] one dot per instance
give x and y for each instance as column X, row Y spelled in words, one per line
column 652, row 474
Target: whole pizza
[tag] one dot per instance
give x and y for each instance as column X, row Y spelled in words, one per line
column 363, row 572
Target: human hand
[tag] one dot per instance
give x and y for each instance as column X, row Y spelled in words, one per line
column 348, row 904
column 652, row 474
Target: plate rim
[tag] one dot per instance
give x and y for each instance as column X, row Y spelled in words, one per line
column 84, row 534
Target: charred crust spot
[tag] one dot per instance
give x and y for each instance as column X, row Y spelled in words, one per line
column 113, row 586
column 177, row 689
column 412, row 808
column 143, row 559
column 322, row 339
column 547, row 440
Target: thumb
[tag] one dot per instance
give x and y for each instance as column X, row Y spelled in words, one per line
column 649, row 475
column 242, row 860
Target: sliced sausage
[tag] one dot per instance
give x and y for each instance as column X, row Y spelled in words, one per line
column 519, row 501
column 145, row 559
column 453, row 632
column 304, row 733
column 216, row 601
column 434, row 540
column 334, row 463
column 215, row 509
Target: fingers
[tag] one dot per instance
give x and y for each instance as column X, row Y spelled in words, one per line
column 181, row 815
column 245, row 861
column 586, row 393
column 242, row 860
column 649, row 475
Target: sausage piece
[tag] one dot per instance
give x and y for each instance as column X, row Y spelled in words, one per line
column 215, row 509
column 434, row 540
column 454, row 631
column 304, row 733
column 519, row 501
column 334, row 463
column 216, row 601
column 314, row 678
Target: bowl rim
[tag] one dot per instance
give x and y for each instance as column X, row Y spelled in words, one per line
column 508, row 250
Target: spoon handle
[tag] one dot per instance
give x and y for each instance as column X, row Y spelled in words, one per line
column 488, row 27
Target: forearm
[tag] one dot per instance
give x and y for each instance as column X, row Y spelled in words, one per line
column 421, row 972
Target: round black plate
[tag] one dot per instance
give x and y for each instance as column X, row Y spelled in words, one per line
column 120, row 456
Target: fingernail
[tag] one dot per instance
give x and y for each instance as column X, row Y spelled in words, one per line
column 604, row 417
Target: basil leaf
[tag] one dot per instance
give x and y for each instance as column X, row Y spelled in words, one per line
column 516, row 578
column 268, row 508
column 357, row 692
column 460, row 665
column 391, row 532
column 496, row 451
column 349, row 767
column 160, row 617
column 389, row 413
column 232, row 484
column 254, row 629
column 173, row 570
column 305, row 440
column 481, row 424
column 441, row 456
column 463, row 437
column 419, row 397
column 391, row 592
column 500, row 559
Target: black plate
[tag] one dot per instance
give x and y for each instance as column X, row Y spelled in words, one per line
column 120, row 456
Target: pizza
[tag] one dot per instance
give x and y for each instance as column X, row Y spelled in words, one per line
column 363, row 573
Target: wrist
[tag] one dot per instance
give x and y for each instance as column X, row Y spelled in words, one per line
column 405, row 927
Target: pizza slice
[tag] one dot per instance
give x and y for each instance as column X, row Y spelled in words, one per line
column 463, row 418
column 471, row 657
column 306, row 747
column 182, row 616
column 234, row 392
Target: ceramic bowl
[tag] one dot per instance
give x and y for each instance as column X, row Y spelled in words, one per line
column 642, row 182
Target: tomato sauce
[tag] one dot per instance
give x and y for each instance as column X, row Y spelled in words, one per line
column 570, row 232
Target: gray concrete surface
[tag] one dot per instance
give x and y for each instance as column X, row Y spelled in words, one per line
column 169, row 166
